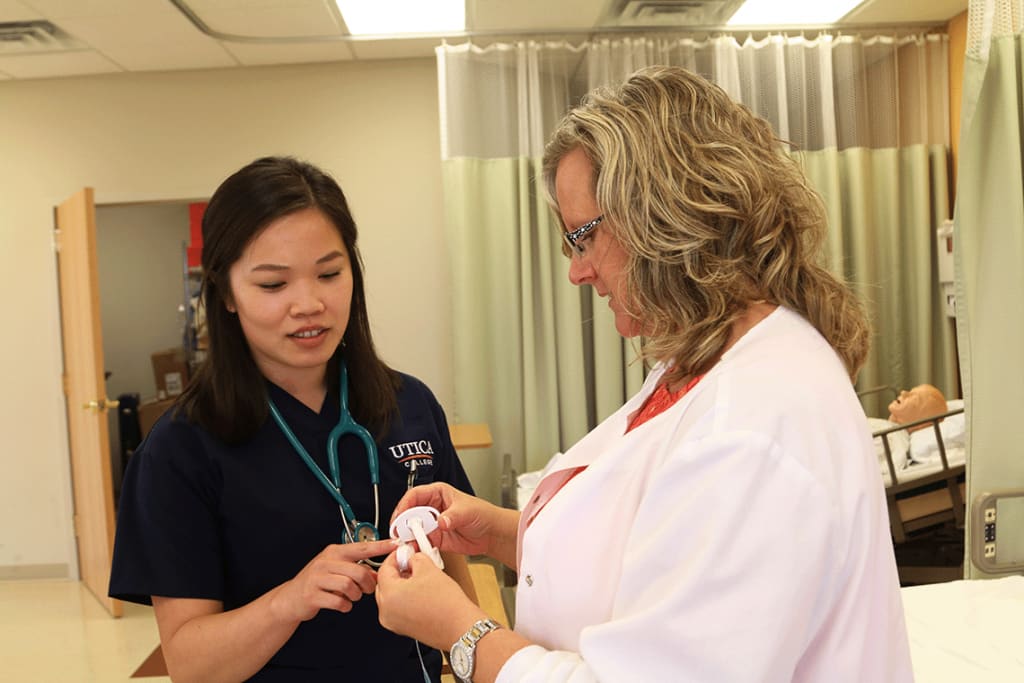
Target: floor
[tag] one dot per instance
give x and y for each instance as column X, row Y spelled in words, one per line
column 55, row 631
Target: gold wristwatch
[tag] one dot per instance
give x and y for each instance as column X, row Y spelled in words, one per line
column 462, row 656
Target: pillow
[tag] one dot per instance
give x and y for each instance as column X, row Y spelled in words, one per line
column 924, row 448
column 899, row 444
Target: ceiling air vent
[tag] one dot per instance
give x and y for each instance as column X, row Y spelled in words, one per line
column 27, row 37
column 673, row 12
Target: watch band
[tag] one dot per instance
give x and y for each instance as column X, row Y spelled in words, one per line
column 462, row 656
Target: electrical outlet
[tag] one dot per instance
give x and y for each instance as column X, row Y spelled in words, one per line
column 997, row 550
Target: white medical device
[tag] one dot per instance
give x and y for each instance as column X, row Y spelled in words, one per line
column 413, row 525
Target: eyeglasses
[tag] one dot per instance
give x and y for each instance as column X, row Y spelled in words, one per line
column 574, row 238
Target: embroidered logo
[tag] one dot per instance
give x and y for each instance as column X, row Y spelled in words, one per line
column 421, row 452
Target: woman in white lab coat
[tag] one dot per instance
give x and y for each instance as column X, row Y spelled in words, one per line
column 729, row 522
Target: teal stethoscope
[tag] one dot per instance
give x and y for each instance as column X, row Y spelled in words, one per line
column 354, row 529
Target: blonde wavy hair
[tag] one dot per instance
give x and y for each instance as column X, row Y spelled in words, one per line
column 712, row 213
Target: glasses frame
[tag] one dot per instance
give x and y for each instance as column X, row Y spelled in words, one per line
column 574, row 236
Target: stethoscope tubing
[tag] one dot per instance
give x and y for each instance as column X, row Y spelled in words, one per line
column 346, row 425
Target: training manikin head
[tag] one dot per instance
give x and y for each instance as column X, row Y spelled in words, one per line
column 922, row 401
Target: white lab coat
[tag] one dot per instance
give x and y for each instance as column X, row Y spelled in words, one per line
column 741, row 535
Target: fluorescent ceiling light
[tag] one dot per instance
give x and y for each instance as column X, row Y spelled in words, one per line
column 378, row 17
column 791, row 12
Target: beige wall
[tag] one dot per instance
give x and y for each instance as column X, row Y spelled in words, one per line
column 174, row 136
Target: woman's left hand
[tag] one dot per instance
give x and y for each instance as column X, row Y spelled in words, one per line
column 423, row 603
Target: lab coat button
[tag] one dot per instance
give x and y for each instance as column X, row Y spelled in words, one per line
column 529, row 580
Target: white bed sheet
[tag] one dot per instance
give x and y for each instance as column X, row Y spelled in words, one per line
column 915, row 470
column 966, row 631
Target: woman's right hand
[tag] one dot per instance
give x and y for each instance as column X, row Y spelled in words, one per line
column 467, row 524
column 334, row 579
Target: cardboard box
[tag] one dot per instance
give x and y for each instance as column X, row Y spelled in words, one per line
column 170, row 371
column 150, row 411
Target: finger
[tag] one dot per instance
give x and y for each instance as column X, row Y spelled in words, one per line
column 338, row 603
column 361, row 575
column 343, row 586
column 354, row 552
column 451, row 521
column 388, row 569
column 382, row 603
column 421, row 562
column 367, row 549
column 364, row 577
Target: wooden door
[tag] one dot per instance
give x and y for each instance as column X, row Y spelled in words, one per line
column 85, row 393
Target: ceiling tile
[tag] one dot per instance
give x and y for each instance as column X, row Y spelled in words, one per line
column 201, row 7
column 273, row 21
column 501, row 15
column 67, row 9
column 149, row 39
column 76, row 63
column 196, row 54
column 151, row 29
column 252, row 54
column 905, row 11
column 396, row 49
column 13, row 10
column 146, row 35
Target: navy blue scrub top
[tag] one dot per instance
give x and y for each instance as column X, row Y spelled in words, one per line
column 198, row 519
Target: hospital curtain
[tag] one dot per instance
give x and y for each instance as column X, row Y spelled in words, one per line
column 539, row 359
column 989, row 250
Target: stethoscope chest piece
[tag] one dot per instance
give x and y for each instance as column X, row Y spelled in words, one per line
column 366, row 532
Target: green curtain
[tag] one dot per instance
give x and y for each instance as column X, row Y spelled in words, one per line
column 520, row 355
column 884, row 206
column 527, row 339
column 989, row 253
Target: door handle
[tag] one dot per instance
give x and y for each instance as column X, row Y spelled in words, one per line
column 100, row 406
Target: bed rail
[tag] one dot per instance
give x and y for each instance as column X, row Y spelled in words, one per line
column 916, row 503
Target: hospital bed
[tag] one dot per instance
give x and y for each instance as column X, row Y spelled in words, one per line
column 924, row 475
column 923, row 470
column 963, row 631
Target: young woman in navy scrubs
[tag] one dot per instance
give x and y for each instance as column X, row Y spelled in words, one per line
column 223, row 525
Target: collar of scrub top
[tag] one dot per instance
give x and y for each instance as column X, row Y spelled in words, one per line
column 346, row 425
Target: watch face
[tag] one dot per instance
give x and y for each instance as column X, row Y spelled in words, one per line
column 461, row 660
